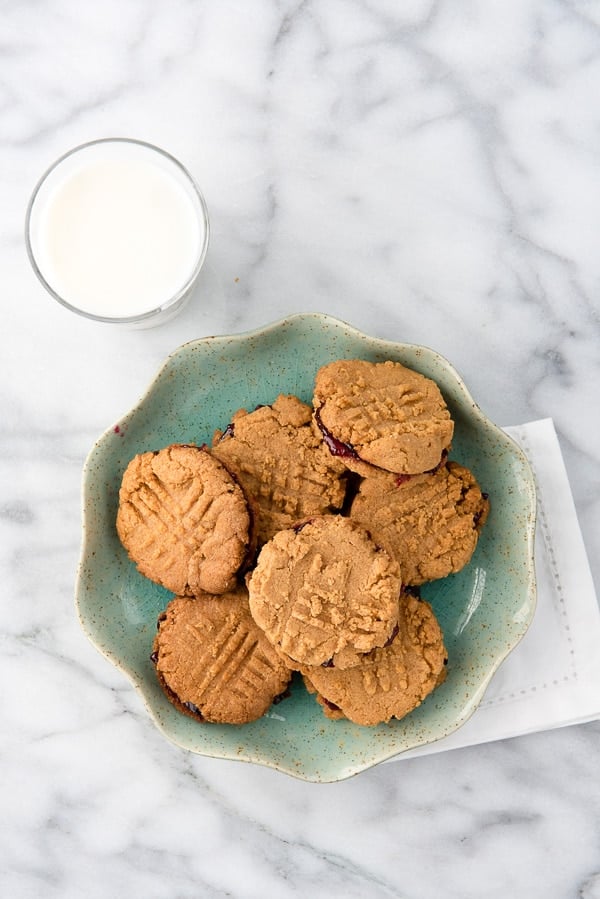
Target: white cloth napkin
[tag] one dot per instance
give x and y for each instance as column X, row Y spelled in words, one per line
column 552, row 678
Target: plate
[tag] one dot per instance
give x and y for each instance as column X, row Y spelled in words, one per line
column 484, row 610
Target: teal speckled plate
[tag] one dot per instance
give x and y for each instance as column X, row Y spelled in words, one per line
column 484, row 610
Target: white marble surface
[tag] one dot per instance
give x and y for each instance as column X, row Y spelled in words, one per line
column 428, row 171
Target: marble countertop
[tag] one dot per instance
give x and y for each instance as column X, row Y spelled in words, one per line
column 428, row 172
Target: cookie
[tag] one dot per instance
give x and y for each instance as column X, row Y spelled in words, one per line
column 430, row 522
column 389, row 682
column 184, row 520
column 325, row 592
column 281, row 463
column 382, row 414
column 212, row 660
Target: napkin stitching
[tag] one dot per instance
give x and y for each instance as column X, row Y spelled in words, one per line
column 551, row 560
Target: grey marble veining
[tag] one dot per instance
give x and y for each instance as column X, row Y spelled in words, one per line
column 427, row 171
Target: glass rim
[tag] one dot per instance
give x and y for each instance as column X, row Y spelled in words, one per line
column 188, row 284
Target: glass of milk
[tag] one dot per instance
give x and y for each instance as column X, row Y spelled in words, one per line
column 117, row 231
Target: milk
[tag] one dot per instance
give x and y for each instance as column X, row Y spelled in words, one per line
column 118, row 229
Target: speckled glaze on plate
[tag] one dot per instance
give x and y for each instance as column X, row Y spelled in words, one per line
column 484, row 610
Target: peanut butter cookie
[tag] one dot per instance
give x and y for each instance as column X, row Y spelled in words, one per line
column 382, row 414
column 212, row 660
column 325, row 592
column 184, row 520
column 388, row 682
column 282, row 464
column 430, row 522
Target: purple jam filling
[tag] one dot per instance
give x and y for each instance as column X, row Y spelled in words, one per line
column 194, row 710
column 228, row 432
column 336, row 447
column 392, row 636
column 285, row 695
column 190, row 706
column 301, row 524
column 330, row 705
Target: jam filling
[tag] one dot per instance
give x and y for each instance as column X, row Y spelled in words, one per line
column 230, row 429
column 392, row 636
column 296, row 528
column 285, row 695
column 190, row 706
column 330, row 705
column 336, row 447
column 194, row 710
column 477, row 515
column 228, row 432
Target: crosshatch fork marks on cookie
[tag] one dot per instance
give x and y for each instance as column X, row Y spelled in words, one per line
column 183, row 519
column 233, row 660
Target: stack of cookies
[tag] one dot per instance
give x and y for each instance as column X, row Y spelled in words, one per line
column 298, row 541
